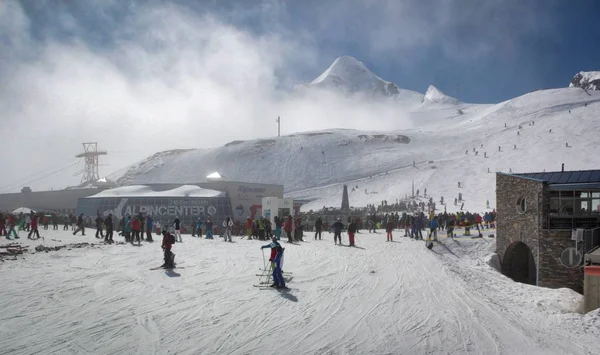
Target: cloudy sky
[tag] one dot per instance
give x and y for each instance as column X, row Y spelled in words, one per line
column 143, row 76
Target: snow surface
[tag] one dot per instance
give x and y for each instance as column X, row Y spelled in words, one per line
column 382, row 162
column 147, row 191
column 379, row 298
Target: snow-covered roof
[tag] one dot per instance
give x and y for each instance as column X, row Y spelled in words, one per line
column 147, row 191
column 214, row 175
column 24, row 210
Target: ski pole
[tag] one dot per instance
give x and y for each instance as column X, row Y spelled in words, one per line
column 264, row 260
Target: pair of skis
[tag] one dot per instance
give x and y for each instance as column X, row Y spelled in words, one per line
column 167, row 268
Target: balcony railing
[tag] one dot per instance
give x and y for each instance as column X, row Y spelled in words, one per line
column 572, row 222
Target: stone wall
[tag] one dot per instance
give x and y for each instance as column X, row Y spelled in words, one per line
column 515, row 227
column 552, row 273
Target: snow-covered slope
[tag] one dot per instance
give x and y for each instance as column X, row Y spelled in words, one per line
column 315, row 164
column 378, row 298
column 350, row 76
column 586, row 80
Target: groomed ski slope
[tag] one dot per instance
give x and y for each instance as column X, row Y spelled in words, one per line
column 315, row 165
column 381, row 298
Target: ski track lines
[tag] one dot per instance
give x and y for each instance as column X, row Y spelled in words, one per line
column 388, row 298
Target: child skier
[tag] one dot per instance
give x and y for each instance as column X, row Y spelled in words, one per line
column 167, row 243
column 276, row 260
column 351, row 231
column 209, row 228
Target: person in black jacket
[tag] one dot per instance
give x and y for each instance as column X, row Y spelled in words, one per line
column 337, row 231
column 80, row 225
column 318, row 228
column 99, row 226
column 177, row 224
column 108, row 223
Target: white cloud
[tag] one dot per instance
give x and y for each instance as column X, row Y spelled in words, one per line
column 169, row 78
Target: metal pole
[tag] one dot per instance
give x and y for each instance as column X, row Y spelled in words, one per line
column 278, row 126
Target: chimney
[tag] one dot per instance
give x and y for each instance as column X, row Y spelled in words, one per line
column 563, row 167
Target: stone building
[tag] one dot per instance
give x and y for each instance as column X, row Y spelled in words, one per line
column 536, row 216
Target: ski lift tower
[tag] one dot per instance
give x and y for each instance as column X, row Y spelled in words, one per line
column 90, row 155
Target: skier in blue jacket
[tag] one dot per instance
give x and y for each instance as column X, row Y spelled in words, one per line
column 433, row 226
column 276, row 260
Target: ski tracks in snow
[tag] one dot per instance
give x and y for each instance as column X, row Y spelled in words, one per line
column 382, row 298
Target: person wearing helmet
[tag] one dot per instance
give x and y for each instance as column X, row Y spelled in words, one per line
column 337, row 231
column 276, row 260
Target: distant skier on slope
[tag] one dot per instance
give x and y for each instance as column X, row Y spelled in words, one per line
column 276, row 259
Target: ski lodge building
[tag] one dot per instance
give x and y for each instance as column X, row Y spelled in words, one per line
column 215, row 197
column 546, row 224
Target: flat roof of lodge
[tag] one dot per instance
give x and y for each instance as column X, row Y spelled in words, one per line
column 148, row 191
column 564, row 177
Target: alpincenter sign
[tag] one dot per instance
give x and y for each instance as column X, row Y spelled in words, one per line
column 158, row 207
column 173, row 207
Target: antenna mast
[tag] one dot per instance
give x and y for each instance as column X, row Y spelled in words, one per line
column 90, row 155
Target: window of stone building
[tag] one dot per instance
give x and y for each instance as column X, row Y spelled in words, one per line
column 567, row 206
column 521, row 205
column 554, row 205
column 595, row 205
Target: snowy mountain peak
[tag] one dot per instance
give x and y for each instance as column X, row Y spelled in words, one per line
column 345, row 67
column 435, row 95
column 350, row 75
column 589, row 80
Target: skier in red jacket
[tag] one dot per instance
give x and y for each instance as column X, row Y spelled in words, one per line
column 136, row 227
column 34, row 227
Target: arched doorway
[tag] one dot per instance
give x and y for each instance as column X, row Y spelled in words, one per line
column 518, row 263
